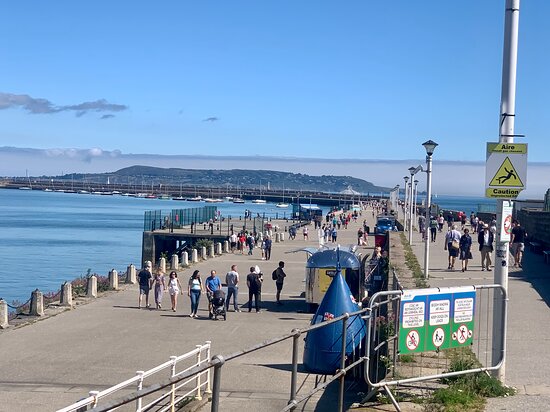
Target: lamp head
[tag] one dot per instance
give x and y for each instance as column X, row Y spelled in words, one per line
column 406, row 179
column 430, row 146
column 412, row 169
column 416, row 182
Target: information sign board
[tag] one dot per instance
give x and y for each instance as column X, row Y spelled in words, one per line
column 434, row 319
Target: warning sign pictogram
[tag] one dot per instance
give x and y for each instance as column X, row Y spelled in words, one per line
column 438, row 337
column 413, row 339
column 506, row 175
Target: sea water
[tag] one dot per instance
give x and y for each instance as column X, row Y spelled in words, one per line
column 47, row 238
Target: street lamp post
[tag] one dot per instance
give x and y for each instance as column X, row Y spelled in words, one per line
column 414, row 200
column 405, row 200
column 430, row 146
column 411, row 171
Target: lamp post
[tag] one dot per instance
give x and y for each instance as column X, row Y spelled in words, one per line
column 411, row 171
column 430, row 146
column 414, row 200
column 405, row 199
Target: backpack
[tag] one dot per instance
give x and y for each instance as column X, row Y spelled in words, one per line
column 274, row 275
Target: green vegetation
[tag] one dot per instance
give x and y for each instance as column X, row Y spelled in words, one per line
column 466, row 392
column 203, row 243
column 412, row 264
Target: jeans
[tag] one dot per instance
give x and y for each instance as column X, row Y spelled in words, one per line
column 195, row 298
column 433, row 232
column 267, row 253
column 232, row 291
column 257, row 300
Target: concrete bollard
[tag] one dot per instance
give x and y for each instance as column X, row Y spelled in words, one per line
column 113, row 279
column 3, row 314
column 218, row 248
column 211, row 251
column 203, row 253
column 131, row 274
column 185, row 259
column 194, row 256
column 225, row 247
column 282, row 236
column 162, row 264
column 91, row 287
column 37, row 303
column 66, row 298
column 277, row 238
column 175, row 263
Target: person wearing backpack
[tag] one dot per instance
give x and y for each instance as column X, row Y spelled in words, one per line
column 254, row 283
column 279, row 276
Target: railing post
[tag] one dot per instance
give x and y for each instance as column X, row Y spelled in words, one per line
column 139, row 387
column 194, row 256
column 94, row 394
column 185, row 259
column 66, row 298
column 3, row 314
column 208, row 358
column 343, row 362
column 203, row 253
column 294, row 376
column 217, row 382
column 37, row 303
column 198, row 395
column 162, row 264
column 175, row 263
column 173, row 388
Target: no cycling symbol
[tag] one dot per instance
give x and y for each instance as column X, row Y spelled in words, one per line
column 508, row 224
column 413, row 339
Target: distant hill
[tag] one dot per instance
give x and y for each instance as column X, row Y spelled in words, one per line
column 139, row 175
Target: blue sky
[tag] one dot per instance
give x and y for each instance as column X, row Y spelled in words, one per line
column 319, row 79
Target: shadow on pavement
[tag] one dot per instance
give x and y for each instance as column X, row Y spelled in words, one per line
column 536, row 272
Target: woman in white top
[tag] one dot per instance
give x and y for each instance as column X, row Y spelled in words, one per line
column 174, row 287
column 194, row 290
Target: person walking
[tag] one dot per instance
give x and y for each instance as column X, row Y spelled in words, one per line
column 212, row 283
column 485, row 239
column 422, row 226
column 144, row 278
column 279, row 276
column 268, row 244
column 333, row 234
column 305, row 232
column 440, row 222
column 517, row 242
column 232, row 282
column 452, row 244
column 159, row 286
column 465, row 249
column 194, row 291
column 254, row 284
column 433, row 228
column 174, row 288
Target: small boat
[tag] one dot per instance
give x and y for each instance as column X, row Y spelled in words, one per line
column 83, row 192
column 25, row 188
column 238, row 200
column 228, row 198
column 259, row 201
column 178, row 198
column 48, row 190
column 282, row 205
column 194, row 199
column 209, row 200
column 151, row 196
column 165, row 197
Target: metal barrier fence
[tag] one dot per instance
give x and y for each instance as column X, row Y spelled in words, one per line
column 387, row 367
column 218, row 361
column 167, row 399
column 162, row 219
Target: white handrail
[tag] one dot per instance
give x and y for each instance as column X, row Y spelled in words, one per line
column 96, row 396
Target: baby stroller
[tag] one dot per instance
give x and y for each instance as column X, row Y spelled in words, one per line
column 218, row 305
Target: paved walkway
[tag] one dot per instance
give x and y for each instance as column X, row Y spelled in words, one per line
column 56, row 361
column 528, row 363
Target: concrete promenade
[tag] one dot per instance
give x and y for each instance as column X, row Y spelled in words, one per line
column 528, row 363
column 56, row 361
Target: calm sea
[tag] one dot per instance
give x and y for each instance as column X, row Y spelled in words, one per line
column 47, row 238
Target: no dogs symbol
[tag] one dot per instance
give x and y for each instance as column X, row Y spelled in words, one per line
column 438, row 337
column 413, row 339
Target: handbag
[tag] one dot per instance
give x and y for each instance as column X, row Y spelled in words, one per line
column 455, row 244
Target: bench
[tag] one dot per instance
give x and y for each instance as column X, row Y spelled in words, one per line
column 546, row 254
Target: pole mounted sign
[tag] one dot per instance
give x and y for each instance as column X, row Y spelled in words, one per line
column 505, row 170
column 434, row 319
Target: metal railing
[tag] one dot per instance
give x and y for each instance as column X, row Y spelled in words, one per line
column 384, row 366
column 172, row 396
column 218, row 361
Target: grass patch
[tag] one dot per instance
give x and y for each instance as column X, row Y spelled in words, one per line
column 406, row 358
column 412, row 263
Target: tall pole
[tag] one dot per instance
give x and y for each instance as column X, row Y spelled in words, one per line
column 414, row 200
column 405, row 200
column 506, row 135
column 411, row 209
column 428, row 215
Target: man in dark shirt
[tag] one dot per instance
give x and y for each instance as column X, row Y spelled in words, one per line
column 280, row 276
column 144, row 279
column 267, row 247
column 254, row 289
column 518, row 242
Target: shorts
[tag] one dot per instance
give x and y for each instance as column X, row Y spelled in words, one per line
column 279, row 286
column 518, row 247
column 173, row 291
column 144, row 290
column 453, row 252
column 233, row 245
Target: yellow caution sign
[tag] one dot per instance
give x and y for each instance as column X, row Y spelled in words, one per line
column 506, row 175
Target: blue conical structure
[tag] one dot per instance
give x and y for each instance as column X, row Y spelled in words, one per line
column 323, row 347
